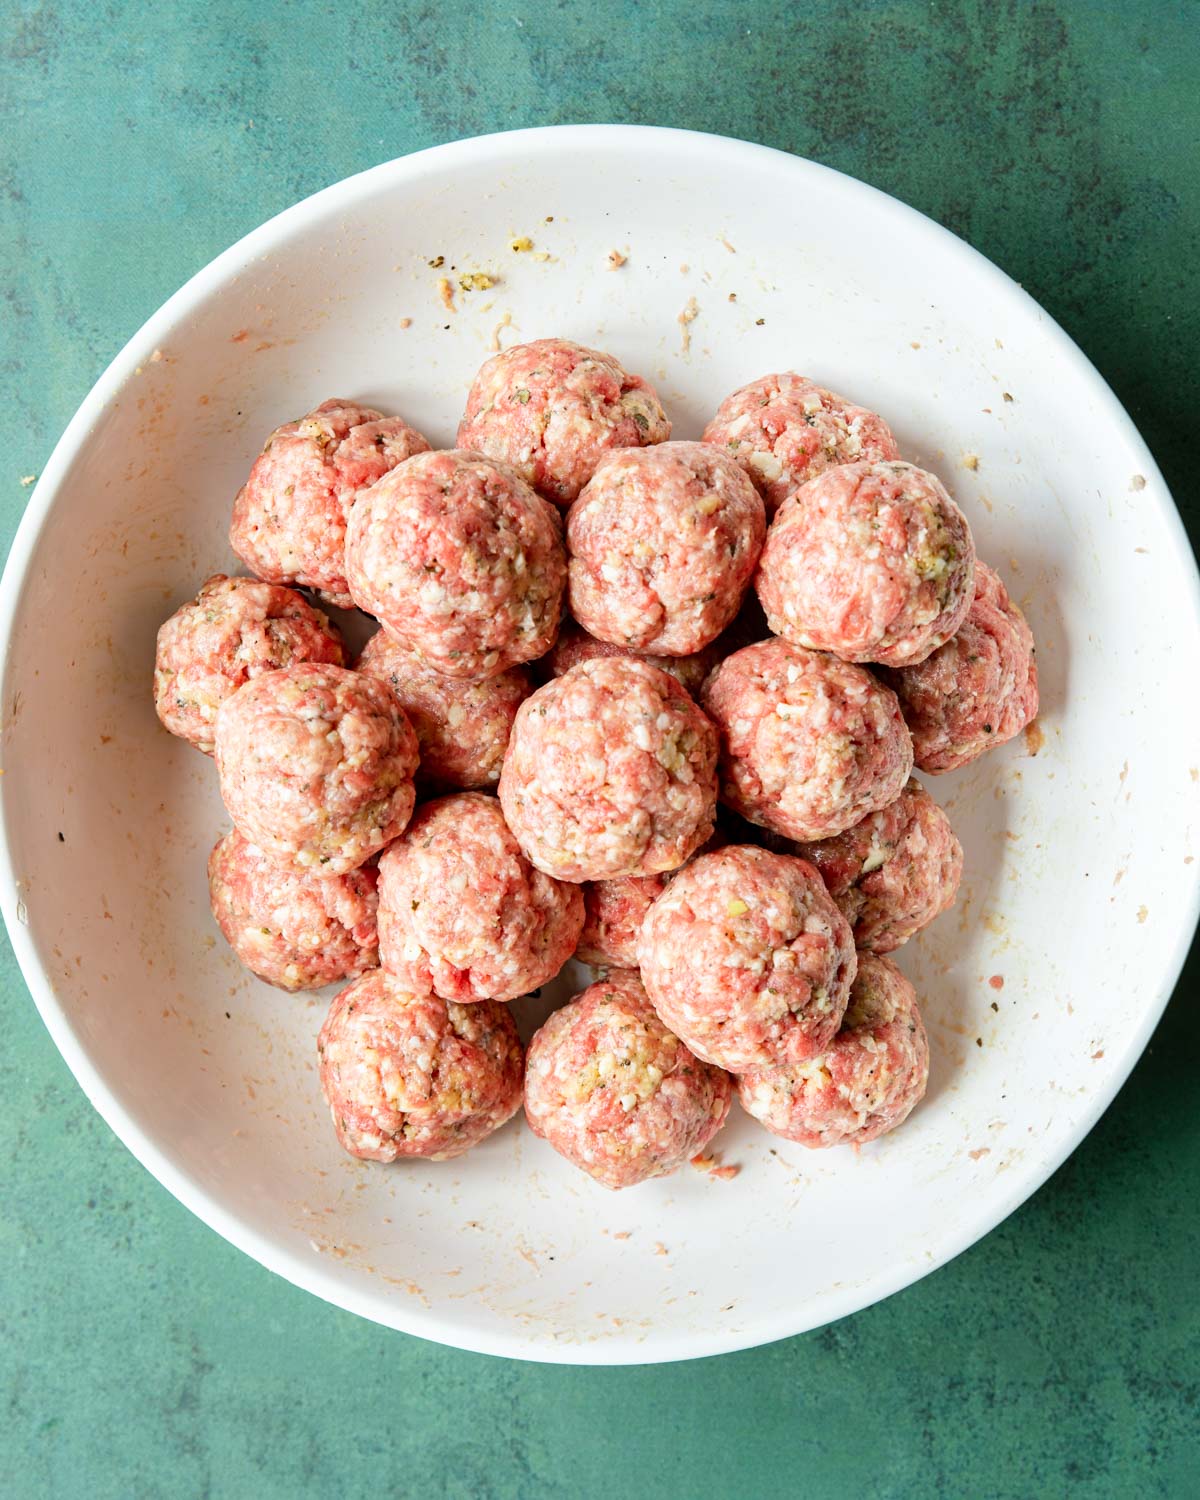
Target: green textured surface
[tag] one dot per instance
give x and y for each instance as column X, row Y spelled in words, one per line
column 142, row 1356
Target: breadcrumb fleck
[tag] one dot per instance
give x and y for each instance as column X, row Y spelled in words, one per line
column 494, row 342
column 520, row 244
column 616, row 260
column 688, row 315
column 723, row 241
column 405, row 322
column 1138, row 482
column 26, row 480
column 446, row 293
column 477, row 281
column 970, row 461
column 714, row 1167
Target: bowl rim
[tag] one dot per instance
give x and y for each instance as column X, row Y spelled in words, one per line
column 719, row 153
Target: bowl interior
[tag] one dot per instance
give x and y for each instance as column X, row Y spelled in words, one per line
column 1039, row 989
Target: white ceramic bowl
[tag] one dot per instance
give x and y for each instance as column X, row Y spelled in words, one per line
column 1079, row 890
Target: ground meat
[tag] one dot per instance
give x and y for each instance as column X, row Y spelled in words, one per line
column 295, row 931
column 809, row 744
column 613, row 914
column 615, row 909
column 661, row 545
column 746, row 957
column 610, row 770
column 234, row 629
column 462, row 911
column 978, row 690
column 460, row 562
column 289, row 519
column 575, row 645
column 873, row 1074
column 873, row 562
column 414, row 1075
column 894, row 872
column 553, row 409
column 784, row 430
column 616, row 1093
column 462, row 727
column 316, row 766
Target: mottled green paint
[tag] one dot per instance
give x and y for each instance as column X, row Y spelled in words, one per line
column 139, row 1354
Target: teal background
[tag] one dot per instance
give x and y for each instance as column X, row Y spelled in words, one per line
column 142, row 1356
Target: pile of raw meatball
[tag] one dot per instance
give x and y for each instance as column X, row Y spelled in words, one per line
column 651, row 704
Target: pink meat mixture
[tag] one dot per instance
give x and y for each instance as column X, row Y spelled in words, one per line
column 316, row 766
column 872, row 562
column 462, row 727
column 552, row 409
column 866, row 1083
column 809, row 744
column 296, row 931
column 413, row 1075
column 575, row 645
column 662, row 544
column 234, row 629
column 746, row 957
column 289, row 519
column 610, row 1088
column 783, row 430
column 460, row 562
column 894, row 872
column 611, row 770
column 977, row 691
column 464, row 913
column 614, row 911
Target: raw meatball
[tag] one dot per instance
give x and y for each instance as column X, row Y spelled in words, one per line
column 460, row 561
column 784, row 430
column 575, row 645
column 289, row 519
column 234, row 629
column 610, row 770
column 872, row 561
column 612, row 1090
column 747, row 958
column 613, row 914
column 661, row 545
column 462, row 727
column 869, row 1080
column 413, row 1075
column 316, row 766
column 978, row 690
column 809, row 744
column 615, row 909
column 553, row 409
column 295, row 931
column 463, row 913
column 894, row 872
